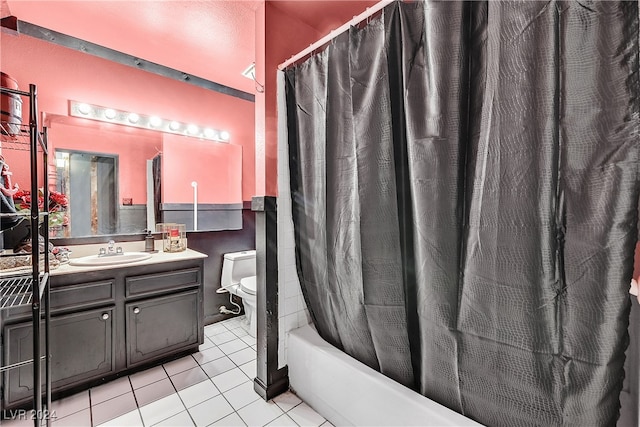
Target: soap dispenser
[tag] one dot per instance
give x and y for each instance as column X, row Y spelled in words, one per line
column 149, row 242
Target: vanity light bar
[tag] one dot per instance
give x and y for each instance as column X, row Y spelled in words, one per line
column 127, row 118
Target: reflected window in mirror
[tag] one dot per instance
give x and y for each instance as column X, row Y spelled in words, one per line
column 89, row 181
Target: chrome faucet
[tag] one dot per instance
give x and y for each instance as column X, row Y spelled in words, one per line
column 110, row 249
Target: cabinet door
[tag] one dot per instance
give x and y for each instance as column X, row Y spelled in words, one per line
column 81, row 349
column 157, row 327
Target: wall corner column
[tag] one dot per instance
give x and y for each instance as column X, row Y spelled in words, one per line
column 270, row 381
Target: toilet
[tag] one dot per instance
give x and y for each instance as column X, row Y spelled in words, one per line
column 239, row 278
column 247, row 292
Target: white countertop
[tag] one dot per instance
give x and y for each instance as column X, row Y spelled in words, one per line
column 159, row 257
column 78, row 251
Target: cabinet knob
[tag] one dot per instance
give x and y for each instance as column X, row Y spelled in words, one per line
column 105, row 316
column 136, row 310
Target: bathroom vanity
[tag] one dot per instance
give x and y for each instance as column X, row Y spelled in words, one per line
column 107, row 321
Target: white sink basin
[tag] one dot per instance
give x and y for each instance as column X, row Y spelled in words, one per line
column 95, row 260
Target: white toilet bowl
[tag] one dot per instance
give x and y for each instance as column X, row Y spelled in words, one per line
column 247, row 291
column 239, row 278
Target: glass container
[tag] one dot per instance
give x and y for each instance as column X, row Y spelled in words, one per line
column 174, row 236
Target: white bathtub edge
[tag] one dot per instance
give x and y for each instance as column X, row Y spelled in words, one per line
column 347, row 392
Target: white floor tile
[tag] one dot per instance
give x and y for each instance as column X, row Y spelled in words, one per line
column 70, row 405
column 230, row 379
column 260, row 413
column 232, row 420
column 241, row 330
column 161, row 409
column 249, row 340
column 183, row 419
column 206, row 344
column 250, row 369
column 78, row 419
column 287, row 401
column 233, row 322
column 242, row 395
column 305, row 416
column 130, row 419
column 180, row 365
column 15, row 419
column 113, row 408
column 283, row 421
column 146, row 377
column 222, row 338
column 327, row 424
column 218, row 366
column 243, row 356
column 208, row 355
column 198, row 393
column 215, row 329
column 232, row 346
column 210, row 411
column 110, row 390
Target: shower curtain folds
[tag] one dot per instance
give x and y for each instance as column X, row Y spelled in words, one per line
column 464, row 183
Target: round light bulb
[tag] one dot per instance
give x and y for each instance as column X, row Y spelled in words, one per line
column 84, row 108
column 133, row 118
column 110, row 113
column 209, row 133
column 155, row 121
column 192, row 129
column 224, row 135
column 174, row 125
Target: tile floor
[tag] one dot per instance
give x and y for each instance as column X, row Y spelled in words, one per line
column 213, row 387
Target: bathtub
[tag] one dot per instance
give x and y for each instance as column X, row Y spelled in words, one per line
column 347, row 392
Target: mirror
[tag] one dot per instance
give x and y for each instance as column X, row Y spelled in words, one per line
column 102, row 170
column 115, row 176
column 118, row 180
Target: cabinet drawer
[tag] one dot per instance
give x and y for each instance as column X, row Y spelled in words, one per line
column 83, row 295
column 161, row 282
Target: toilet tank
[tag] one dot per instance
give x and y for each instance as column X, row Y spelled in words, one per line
column 237, row 265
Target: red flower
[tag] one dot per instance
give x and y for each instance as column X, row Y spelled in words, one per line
column 58, row 199
column 58, row 202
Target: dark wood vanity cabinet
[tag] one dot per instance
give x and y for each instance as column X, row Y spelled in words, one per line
column 82, row 349
column 164, row 314
column 106, row 323
column 160, row 326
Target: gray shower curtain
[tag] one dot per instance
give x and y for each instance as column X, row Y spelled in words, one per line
column 464, row 183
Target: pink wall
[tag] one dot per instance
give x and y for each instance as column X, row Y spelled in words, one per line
column 284, row 37
column 260, row 160
column 188, row 36
column 63, row 74
column 290, row 27
column 217, row 168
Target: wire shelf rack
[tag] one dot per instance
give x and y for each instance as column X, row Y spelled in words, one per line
column 15, row 291
column 15, row 136
column 26, row 288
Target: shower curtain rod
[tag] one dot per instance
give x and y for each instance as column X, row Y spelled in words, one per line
column 334, row 33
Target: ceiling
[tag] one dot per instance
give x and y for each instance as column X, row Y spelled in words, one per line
column 212, row 39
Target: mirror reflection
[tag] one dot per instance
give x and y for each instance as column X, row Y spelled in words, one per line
column 87, row 214
column 102, row 170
